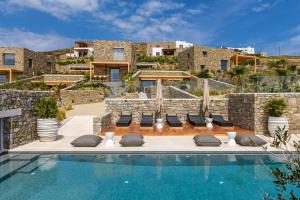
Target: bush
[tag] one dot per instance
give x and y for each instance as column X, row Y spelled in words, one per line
column 203, row 74
column 106, row 92
column 68, row 107
column 46, row 108
column 61, row 115
column 276, row 107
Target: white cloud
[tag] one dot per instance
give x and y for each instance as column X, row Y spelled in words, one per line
column 34, row 41
column 263, row 5
column 62, row 9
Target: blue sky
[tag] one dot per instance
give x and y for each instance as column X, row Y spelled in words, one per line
column 54, row 24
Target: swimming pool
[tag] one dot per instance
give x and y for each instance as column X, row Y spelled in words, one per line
column 141, row 176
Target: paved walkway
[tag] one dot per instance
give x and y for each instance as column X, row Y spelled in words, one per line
column 87, row 109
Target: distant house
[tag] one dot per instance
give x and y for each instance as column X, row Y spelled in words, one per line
column 166, row 48
column 246, row 50
column 201, row 58
column 112, row 59
column 21, row 61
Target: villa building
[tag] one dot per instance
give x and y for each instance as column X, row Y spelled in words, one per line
column 21, row 61
column 247, row 50
column 112, row 59
column 166, row 48
column 200, row 58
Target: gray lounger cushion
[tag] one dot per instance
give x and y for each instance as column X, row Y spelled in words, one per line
column 87, row 141
column 132, row 140
column 207, row 140
column 249, row 140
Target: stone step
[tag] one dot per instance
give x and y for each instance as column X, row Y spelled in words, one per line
column 11, row 167
column 30, row 157
column 6, row 157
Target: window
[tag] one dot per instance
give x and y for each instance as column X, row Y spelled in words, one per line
column 224, row 65
column 30, row 63
column 9, row 59
column 49, row 64
column 157, row 54
column 181, row 46
column 3, row 78
column 188, row 56
column 204, row 53
column 157, row 46
column 118, row 53
column 202, row 67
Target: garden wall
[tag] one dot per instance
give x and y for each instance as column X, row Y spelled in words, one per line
column 76, row 97
column 249, row 110
column 218, row 105
column 22, row 129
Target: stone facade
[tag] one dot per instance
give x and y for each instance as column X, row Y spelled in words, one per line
column 103, row 51
column 40, row 63
column 20, row 130
column 140, row 48
column 249, row 110
column 76, row 97
column 218, row 105
column 100, row 123
column 171, row 92
column 200, row 58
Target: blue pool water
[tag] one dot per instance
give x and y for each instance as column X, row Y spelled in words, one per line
column 156, row 176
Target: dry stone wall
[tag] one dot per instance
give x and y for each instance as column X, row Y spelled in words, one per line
column 20, row 130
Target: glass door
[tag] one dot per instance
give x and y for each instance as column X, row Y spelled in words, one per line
column 1, row 135
column 114, row 74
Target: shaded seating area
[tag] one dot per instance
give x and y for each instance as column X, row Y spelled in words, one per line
column 195, row 120
column 220, row 121
column 147, row 120
column 124, row 120
column 173, row 121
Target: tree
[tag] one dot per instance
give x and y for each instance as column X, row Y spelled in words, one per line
column 238, row 74
column 286, row 180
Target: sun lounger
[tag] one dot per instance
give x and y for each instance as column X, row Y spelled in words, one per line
column 220, row 121
column 173, row 121
column 147, row 120
column 124, row 120
column 196, row 120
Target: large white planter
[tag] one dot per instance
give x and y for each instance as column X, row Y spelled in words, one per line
column 275, row 122
column 47, row 129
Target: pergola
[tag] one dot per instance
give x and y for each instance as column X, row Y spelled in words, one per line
column 238, row 57
column 10, row 72
column 108, row 65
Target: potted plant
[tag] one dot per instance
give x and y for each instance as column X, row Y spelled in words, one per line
column 47, row 123
column 276, row 109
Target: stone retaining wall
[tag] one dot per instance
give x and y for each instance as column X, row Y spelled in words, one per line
column 249, row 110
column 218, row 105
column 100, row 123
column 76, row 97
column 21, row 129
column 176, row 93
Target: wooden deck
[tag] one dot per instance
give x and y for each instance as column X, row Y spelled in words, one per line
column 167, row 131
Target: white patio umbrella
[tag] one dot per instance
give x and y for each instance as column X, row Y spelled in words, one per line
column 205, row 105
column 159, row 97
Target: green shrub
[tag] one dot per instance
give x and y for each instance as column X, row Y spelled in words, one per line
column 46, row 108
column 68, row 107
column 276, row 107
column 61, row 115
column 203, row 74
column 106, row 92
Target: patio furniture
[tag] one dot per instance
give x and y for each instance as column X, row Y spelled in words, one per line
column 109, row 139
column 124, row 120
column 207, row 140
column 249, row 140
column 132, row 140
column 147, row 120
column 231, row 135
column 196, row 120
column 209, row 122
column 173, row 121
column 87, row 141
column 220, row 121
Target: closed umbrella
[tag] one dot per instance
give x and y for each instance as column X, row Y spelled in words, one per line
column 205, row 105
column 159, row 96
